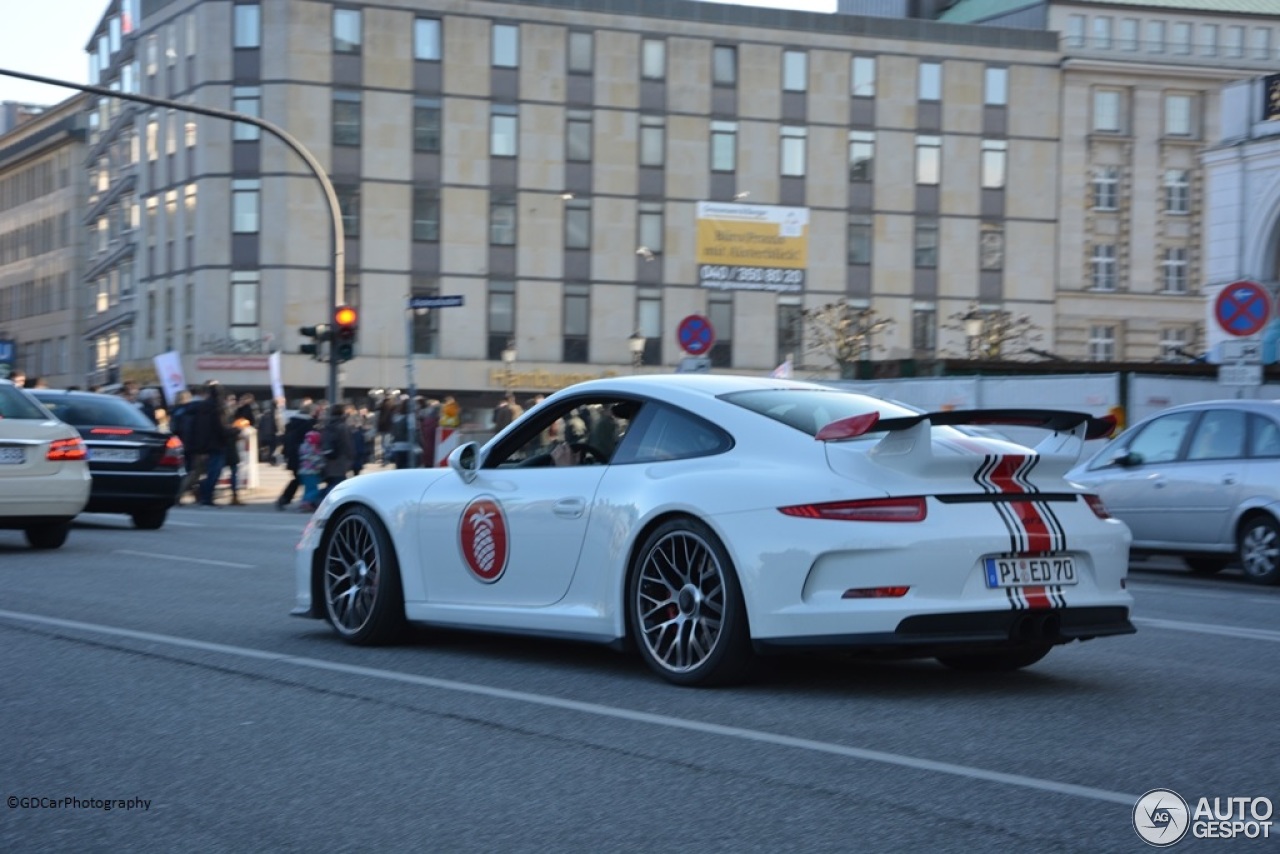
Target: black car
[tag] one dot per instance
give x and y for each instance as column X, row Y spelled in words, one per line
column 137, row 468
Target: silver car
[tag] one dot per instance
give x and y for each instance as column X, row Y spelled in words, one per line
column 1201, row 481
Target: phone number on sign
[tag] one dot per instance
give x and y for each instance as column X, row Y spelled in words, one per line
column 750, row 278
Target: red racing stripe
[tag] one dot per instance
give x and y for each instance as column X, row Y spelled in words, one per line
column 1037, row 599
column 1038, row 537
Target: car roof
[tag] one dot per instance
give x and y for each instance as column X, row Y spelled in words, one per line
column 1250, row 404
column 705, row 385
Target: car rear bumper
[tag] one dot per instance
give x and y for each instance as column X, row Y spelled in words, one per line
column 115, row 492
column 33, row 500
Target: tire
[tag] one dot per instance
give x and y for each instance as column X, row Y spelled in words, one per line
column 49, row 536
column 996, row 662
column 360, row 580
column 1207, row 565
column 1259, row 549
column 685, row 607
column 150, row 519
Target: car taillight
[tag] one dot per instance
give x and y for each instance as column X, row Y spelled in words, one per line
column 869, row 510
column 875, row 593
column 172, row 452
column 1095, row 504
column 61, row 450
column 112, row 431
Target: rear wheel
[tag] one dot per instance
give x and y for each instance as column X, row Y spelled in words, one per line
column 1207, row 565
column 1012, row 659
column 1259, row 548
column 686, row 609
column 363, row 598
column 150, row 518
column 50, row 536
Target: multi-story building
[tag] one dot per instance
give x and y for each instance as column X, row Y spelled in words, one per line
column 1140, row 93
column 546, row 162
column 42, row 191
column 14, row 113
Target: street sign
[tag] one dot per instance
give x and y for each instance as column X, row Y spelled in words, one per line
column 449, row 301
column 695, row 335
column 1242, row 308
column 694, row 365
column 1239, row 374
column 1242, row 351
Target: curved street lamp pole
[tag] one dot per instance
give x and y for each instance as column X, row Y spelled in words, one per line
column 337, row 274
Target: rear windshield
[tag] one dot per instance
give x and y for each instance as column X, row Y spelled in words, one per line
column 16, row 405
column 96, row 411
column 809, row 410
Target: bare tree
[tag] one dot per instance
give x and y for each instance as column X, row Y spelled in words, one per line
column 994, row 333
column 843, row 335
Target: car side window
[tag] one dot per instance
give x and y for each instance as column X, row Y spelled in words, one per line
column 1264, row 437
column 1219, row 436
column 669, row 434
column 1161, row 440
column 17, row 406
column 592, row 427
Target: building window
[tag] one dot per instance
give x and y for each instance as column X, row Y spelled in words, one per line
column 426, row 39
column 649, row 322
column 426, row 214
column 346, row 30
column 504, row 131
column 244, row 206
column 724, row 65
column 795, row 71
column 1233, row 44
column 653, row 59
column 991, row 246
column 577, row 224
column 426, row 124
column 1173, row 344
column 247, row 100
column 928, row 160
column 996, row 89
column 1102, row 32
column 653, row 134
column 1261, row 43
column 930, row 81
column 862, row 153
column 349, row 202
column 1103, row 267
column 346, row 117
column 1106, row 111
column 1209, row 39
column 502, row 317
column 1106, row 180
column 794, row 151
column 1102, row 343
column 426, row 323
column 994, row 154
column 1128, row 34
column 578, row 135
column 924, row 330
column 247, row 26
column 577, row 323
column 1177, row 115
column 506, row 46
column 1177, row 191
column 651, row 230
column 1155, row 36
column 1075, row 30
column 861, row 238
column 926, row 243
column 581, row 53
column 244, row 304
column 724, row 146
column 790, row 328
column 1174, row 270
column 502, row 218
column 863, row 76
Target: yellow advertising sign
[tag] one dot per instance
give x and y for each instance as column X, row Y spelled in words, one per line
column 752, row 247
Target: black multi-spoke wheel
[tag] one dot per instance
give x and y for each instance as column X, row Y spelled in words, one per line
column 363, row 598
column 1259, row 549
column 686, row 608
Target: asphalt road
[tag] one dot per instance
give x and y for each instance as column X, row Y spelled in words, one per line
column 163, row 666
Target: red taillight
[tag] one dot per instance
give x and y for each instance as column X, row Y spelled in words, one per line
column 62, row 450
column 875, row 593
column 1095, row 504
column 870, row 510
column 172, row 452
column 112, row 431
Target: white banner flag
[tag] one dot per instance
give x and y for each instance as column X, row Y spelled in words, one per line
column 169, row 370
column 783, row 371
column 277, row 383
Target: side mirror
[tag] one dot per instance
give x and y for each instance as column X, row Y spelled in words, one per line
column 465, row 460
column 1128, row 459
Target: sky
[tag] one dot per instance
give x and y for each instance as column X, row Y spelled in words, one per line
column 47, row 37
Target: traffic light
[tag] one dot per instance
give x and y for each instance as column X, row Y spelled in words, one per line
column 345, row 326
column 320, row 333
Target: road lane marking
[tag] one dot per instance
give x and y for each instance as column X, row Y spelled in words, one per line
column 598, row 710
column 1209, row 629
column 1201, row 593
column 184, row 558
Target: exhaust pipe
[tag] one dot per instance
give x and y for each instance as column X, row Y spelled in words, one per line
column 1036, row 627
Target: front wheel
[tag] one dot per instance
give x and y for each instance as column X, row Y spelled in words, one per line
column 686, row 609
column 994, row 662
column 1259, row 549
column 49, row 536
column 363, row 597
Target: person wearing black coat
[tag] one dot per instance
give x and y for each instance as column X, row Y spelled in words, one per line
column 295, row 430
column 209, row 439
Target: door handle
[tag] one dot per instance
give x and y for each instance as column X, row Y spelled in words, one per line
column 569, row 508
column 1229, row 479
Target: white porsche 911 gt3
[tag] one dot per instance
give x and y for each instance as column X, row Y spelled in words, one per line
column 706, row 518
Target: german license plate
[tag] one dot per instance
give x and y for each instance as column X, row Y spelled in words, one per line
column 1030, row 571
column 115, row 455
column 12, row 456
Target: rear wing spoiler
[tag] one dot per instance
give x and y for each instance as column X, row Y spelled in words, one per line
column 1056, row 420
